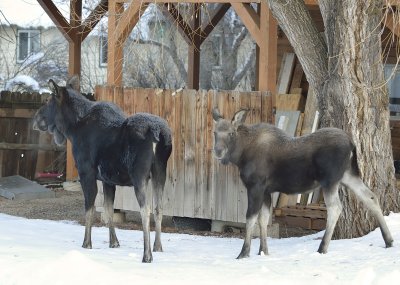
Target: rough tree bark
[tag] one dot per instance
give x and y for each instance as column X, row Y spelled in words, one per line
column 347, row 76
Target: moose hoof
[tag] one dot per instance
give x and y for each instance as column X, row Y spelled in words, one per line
column 243, row 255
column 389, row 244
column 87, row 245
column 157, row 248
column 322, row 251
column 114, row 245
column 147, row 259
column 262, row 252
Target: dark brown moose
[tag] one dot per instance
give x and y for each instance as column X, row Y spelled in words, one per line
column 112, row 148
column 271, row 161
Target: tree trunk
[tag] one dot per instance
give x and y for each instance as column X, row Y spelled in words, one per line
column 351, row 93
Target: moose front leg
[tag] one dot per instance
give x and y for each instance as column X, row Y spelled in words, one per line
column 89, row 188
column 87, row 241
column 255, row 201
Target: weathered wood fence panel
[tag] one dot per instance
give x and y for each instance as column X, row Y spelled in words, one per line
column 23, row 151
column 197, row 185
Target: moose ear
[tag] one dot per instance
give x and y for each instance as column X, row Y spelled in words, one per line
column 239, row 117
column 54, row 88
column 216, row 115
column 73, row 82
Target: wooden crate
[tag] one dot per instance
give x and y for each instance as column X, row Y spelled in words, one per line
column 311, row 217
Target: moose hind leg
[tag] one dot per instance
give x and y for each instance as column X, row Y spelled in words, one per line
column 158, row 178
column 109, row 195
column 158, row 215
column 253, row 208
column 370, row 200
column 145, row 214
column 263, row 218
column 334, row 208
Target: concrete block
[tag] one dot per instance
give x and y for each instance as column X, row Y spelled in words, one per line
column 19, row 188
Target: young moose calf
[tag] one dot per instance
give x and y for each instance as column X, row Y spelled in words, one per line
column 271, row 161
column 112, row 148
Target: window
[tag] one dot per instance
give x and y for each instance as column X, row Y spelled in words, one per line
column 28, row 43
column 103, row 50
column 392, row 75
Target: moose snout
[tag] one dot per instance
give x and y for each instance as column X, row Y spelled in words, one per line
column 219, row 152
column 39, row 124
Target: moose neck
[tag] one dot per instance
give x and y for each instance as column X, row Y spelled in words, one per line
column 74, row 109
column 237, row 150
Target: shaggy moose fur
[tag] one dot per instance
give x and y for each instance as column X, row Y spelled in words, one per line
column 271, row 161
column 112, row 148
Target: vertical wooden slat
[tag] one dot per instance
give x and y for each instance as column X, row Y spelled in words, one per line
column 189, row 137
column 199, row 154
column 245, row 102
column 209, row 193
column 169, row 189
column 221, row 191
column 232, row 179
column 179, row 145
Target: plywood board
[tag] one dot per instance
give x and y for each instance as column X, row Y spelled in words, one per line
column 285, row 73
column 287, row 102
column 289, row 120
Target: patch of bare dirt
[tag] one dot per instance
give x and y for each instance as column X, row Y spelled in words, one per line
column 69, row 205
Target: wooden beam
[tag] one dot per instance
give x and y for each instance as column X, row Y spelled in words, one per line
column 391, row 25
column 266, row 51
column 17, row 113
column 94, row 17
column 115, row 48
column 45, row 147
column 186, row 31
column 58, row 19
column 128, row 20
column 68, row 29
column 74, row 67
column 214, row 17
column 193, row 80
column 250, row 19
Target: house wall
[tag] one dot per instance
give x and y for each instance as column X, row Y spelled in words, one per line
column 54, row 62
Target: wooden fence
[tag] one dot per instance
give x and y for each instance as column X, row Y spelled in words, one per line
column 24, row 151
column 197, row 185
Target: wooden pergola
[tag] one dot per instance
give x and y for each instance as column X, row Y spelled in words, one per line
column 123, row 15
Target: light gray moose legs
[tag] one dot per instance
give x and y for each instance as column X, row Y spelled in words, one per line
column 263, row 218
column 334, row 208
column 258, row 209
column 370, row 200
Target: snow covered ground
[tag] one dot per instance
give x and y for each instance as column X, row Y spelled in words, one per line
column 49, row 252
